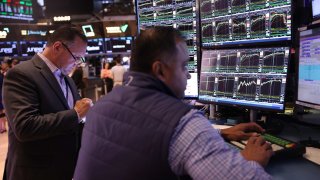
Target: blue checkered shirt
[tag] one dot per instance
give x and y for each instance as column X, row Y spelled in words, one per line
column 197, row 149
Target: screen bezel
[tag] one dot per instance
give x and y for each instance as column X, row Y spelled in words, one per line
column 269, row 43
column 249, row 106
column 299, row 101
column 198, row 43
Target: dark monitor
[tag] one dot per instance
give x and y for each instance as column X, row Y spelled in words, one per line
column 237, row 22
column 95, row 46
column 67, row 7
column 9, row 48
column 253, row 78
column 30, row 48
column 309, row 69
column 316, row 9
column 118, row 45
column 16, row 10
column 179, row 14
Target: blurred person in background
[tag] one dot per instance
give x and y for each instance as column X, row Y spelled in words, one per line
column 106, row 75
column 117, row 72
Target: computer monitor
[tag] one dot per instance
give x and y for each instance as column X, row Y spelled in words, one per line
column 9, row 48
column 253, row 78
column 180, row 14
column 237, row 22
column 30, row 48
column 316, row 9
column 95, row 46
column 118, row 44
column 16, row 10
column 309, row 69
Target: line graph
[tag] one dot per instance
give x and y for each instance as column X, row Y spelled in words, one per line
column 225, row 86
column 247, row 88
column 206, row 85
column 249, row 62
column 146, row 16
column 239, row 28
column 278, row 24
column 185, row 28
column 162, row 2
column 209, row 62
column 205, row 7
column 184, row 12
column 207, row 32
column 220, row 7
column 145, row 4
column 270, row 90
column 273, row 61
column 164, row 14
column 228, row 62
column 258, row 25
column 257, row 4
column 222, row 30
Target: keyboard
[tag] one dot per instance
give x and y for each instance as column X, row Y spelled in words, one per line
column 282, row 148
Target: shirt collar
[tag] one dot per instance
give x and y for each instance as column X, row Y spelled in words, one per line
column 51, row 66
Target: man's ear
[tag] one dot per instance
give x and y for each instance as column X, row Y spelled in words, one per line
column 56, row 46
column 158, row 70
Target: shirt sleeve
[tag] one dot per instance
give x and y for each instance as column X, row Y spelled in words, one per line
column 198, row 150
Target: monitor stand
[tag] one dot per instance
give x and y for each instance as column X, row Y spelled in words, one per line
column 253, row 115
column 212, row 111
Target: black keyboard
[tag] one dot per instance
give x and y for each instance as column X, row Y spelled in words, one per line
column 282, row 148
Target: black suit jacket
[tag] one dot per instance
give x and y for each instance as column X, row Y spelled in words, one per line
column 43, row 131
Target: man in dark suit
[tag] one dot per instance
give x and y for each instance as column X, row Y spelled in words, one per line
column 44, row 110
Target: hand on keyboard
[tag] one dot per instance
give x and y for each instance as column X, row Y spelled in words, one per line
column 257, row 149
column 242, row 131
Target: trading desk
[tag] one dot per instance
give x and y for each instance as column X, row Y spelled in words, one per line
column 300, row 167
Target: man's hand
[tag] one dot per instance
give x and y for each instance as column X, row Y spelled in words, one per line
column 82, row 106
column 241, row 131
column 257, row 149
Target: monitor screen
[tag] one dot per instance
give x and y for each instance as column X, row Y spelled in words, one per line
column 254, row 78
column 237, row 22
column 30, row 48
column 95, row 46
column 118, row 45
column 309, row 69
column 16, row 9
column 180, row 14
column 316, row 9
column 8, row 48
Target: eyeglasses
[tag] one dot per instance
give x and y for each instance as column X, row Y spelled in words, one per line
column 78, row 60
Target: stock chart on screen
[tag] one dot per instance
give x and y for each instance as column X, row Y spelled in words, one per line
column 182, row 15
column 254, row 77
column 228, row 22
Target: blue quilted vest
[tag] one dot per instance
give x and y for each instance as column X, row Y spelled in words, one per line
column 127, row 133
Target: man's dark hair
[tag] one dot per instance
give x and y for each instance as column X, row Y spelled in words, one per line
column 157, row 43
column 66, row 34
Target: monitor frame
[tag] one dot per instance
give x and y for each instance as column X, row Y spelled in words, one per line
column 252, row 107
column 256, row 42
column 197, row 43
column 298, row 101
column 317, row 16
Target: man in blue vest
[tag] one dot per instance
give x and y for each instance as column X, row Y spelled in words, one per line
column 143, row 130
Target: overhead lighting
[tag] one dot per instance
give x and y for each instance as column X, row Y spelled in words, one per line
column 61, row 18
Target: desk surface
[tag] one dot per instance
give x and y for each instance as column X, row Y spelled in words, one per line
column 294, row 168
